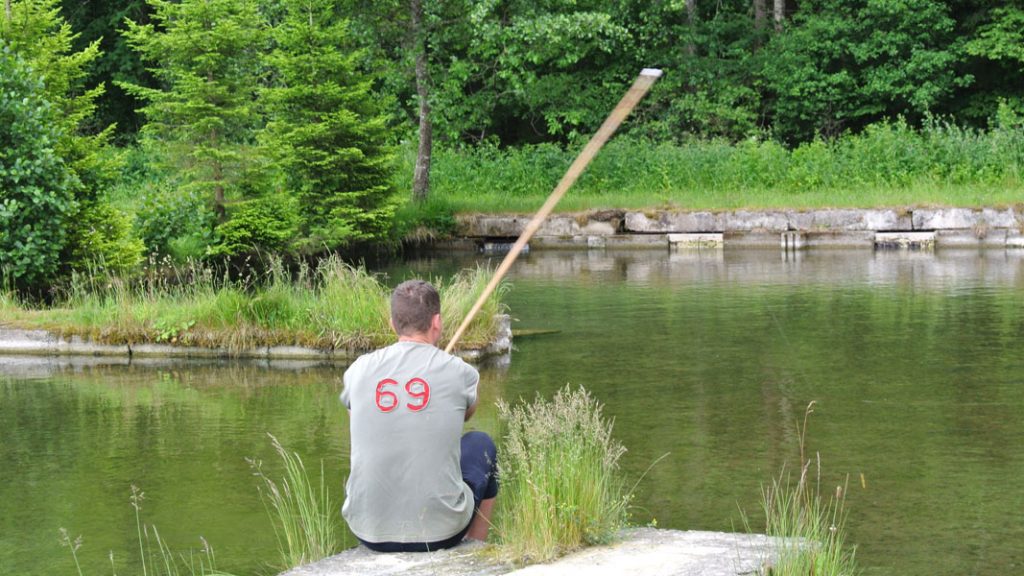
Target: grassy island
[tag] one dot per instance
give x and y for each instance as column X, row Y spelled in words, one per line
column 333, row 306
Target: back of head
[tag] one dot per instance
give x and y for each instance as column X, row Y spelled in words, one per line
column 413, row 304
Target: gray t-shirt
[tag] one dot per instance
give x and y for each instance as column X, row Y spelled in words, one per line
column 407, row 405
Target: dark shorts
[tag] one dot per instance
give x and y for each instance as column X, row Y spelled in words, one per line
column 480, row 471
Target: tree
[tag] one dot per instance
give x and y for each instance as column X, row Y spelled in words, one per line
column 760, row 14
column 525, row 71
column 100, row 22
column 842, row 64
column 36, row 186
column 38, row 33
column 779, row 13
column 418, row 33
column 712, row 93
column 997, row 48
column 207, row 55
column 327, row 131
column 398, row 37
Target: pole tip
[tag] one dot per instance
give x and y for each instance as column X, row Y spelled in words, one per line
column 654, row 72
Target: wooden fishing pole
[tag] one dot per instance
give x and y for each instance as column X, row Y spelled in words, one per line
column 636, row 92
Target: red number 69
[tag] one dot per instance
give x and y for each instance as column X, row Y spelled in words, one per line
column 417, row 389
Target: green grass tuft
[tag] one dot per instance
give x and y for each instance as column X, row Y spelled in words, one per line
column 561, row 484
column 810, row 528
column 304, row 517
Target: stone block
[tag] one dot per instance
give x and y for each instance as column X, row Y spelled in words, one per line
column 483, row 226
column 599, row 228
column 637, row 241
column 745, row 221
column 945, row 218
column 792, row 240
column 557, row 226
column 1007, row 218
column 887, row 220
column 701, row 221
column 840, row 239
column 846, row 219
column 971, row 238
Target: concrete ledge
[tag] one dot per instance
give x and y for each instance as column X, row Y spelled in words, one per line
column 917, row 240
column 641, row 552
column 696, row 240
column 15, row 341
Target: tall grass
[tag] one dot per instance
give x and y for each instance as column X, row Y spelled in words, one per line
column 889, row 163
column 560, row 478
column 304, row 517
column 332, row 306
column 810, row 528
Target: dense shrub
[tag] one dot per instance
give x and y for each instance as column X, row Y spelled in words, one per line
column 102, row 239
column 35, row 183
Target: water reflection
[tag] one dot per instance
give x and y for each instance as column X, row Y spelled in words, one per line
column 923, row 270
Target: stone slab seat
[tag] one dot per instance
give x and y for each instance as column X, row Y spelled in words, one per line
column 638, row 552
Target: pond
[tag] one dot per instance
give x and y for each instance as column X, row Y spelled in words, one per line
column 913, row 359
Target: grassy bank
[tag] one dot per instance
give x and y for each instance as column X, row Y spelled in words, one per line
column 889, row 164
column 334, row 306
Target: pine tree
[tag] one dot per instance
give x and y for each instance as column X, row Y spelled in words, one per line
column 206, row 54
column 327, row 130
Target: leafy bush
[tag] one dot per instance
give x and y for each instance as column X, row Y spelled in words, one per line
column 35, row 184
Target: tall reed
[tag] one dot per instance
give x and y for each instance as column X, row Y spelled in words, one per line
column 560, row 479
column 810, row 528
column 303, row 515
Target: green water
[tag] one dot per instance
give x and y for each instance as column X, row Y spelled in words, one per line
column 915, row 361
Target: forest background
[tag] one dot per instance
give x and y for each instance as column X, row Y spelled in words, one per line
column 142, row 131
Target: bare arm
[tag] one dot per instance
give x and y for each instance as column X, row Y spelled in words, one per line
column 469, row 412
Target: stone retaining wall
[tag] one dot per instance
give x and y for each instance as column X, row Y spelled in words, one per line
column 838, row 227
